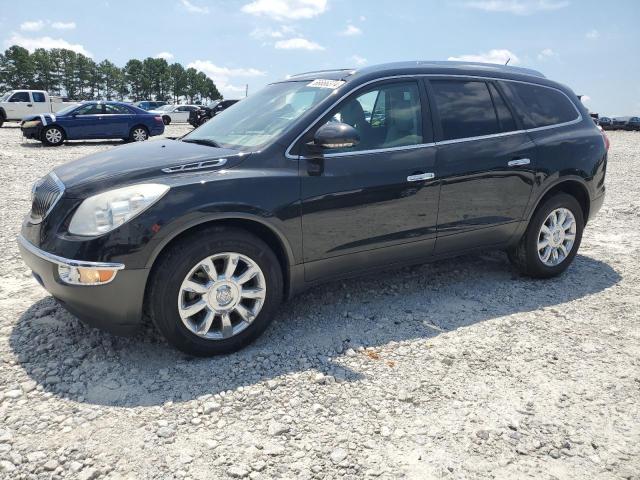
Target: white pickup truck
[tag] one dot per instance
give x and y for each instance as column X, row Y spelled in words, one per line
column 17, row 104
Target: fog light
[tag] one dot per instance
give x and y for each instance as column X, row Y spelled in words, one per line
column 85, row 276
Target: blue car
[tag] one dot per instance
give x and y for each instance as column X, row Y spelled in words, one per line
column 93, row 120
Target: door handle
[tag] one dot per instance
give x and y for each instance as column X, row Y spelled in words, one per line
column 29, row 105
column 516, row 162
column 420, row 176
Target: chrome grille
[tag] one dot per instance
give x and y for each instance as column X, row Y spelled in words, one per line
column 44, row 195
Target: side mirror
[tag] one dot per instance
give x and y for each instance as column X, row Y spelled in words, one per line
column 336, row 135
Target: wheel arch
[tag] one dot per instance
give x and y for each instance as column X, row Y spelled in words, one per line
column 275, row 239
column 573, row 186
column 3, row 114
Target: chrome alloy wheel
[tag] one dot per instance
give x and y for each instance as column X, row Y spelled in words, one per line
column 221, row 295
column 139, row 135
column 53, row 135
column 556, row 237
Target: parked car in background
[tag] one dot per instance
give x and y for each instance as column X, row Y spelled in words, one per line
column 293, row 187
column 149, row 105
column 619, row 123
column 633, row 124
column 175, row 113
column 17, row 104
column 605, row 123
column 93, row 120
column 205, row 113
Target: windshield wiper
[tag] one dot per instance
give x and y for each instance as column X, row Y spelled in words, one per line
column 202, row 141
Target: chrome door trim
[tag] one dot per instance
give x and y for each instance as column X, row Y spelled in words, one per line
column 421, row 176
column 442, row 142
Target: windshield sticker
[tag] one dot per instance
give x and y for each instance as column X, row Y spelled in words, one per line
column 322, row 83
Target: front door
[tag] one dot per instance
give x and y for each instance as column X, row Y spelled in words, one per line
column 485, row 163
column 376, row 202
column 19, row 106
column 86, row 122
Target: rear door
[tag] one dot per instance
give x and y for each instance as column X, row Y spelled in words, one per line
column 116, row 121
column 180, row 114
column 485, row 164
column 375, row 203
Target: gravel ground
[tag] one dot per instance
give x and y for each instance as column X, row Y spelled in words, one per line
column 458, row 369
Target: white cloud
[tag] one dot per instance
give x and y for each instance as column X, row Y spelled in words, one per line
column 265, row 33
column 358, row 60
column 351, row 31
column 593, row 34
column 298, row 44
column 286, row 9
column 499, row 55
column 165, row 55
column 517, row 7
column 32, row 26
column 45, row 42
column 223, row 76
column 191, row 8
column 63, row 25
column 546, row 54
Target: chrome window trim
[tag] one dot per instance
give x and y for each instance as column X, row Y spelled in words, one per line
column 54, row 203
column 442, row 142
column 66, row 262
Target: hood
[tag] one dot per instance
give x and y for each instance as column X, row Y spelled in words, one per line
column 136, row 162
column 45, row 118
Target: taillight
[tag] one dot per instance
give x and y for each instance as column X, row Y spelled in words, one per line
column 158, row 118
column 607, row 142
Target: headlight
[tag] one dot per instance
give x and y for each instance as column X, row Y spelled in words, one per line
column 30, row 123
column 108, row 210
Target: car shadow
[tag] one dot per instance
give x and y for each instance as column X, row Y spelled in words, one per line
column 76, row 362
column 73, row 143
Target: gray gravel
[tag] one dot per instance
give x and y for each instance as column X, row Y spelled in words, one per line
column 458, row 369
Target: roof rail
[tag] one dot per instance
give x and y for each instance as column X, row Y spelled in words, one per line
column 323, row 71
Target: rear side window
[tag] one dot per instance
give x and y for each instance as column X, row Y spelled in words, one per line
column 38, row 96
column 507, row 123
column 539, row 106
column 116, row 109
column 465, row 109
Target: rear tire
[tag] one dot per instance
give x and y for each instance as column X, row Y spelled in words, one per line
column 52, row 136
column 547, row 248
column 138, row 134
column 203, row 120
column 180, row 280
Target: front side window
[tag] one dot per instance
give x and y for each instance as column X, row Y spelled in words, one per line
column 539, row 106
column 111, row 109
column 91, row 109
column 38, row 97
column 20, row 97
column 387, row 116
column 465, row 109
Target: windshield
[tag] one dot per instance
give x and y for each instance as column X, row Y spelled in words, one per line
column 6, row 96
column 260, row 118
column 67, row 110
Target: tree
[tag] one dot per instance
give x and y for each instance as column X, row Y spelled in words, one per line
column 178, row 81
column 133, row 74
column 109, row 77
column 18, row 66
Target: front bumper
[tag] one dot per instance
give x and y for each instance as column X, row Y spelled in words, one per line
column 33, row 133
column 115, row 306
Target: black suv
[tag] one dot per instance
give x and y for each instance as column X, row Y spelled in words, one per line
column 206, row 113
column 321, row 176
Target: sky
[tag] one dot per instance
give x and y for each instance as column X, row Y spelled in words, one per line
column 592, row 46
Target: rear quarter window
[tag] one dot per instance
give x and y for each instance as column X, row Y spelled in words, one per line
column 539, row 106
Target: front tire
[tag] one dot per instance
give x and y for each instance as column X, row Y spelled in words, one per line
column 166, row 120
column 552, row 238
column 53, row 136
column 215, row 291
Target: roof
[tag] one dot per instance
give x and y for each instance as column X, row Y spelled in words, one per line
column 418, row 67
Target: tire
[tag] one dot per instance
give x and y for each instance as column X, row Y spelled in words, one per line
column 526, row 257
column 1, row 122
column 138, row 134
column 53, row 136
column 166, row 120
column 179, row 263
column 203, row 120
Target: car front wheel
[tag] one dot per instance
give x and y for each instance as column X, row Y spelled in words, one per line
column 215, row 291
column 53, row 136
column 166, row 120
column 552, row 238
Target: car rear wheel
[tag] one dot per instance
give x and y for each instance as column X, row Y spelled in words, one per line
column 138, row 134
column 203, row 120
column 552, row 238
column 53, row 136
column 215, row 291
column 166, row 120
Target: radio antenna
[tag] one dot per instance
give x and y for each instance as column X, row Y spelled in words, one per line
column 507, row 62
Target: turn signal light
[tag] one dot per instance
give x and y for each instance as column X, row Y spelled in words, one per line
column 85, row 276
